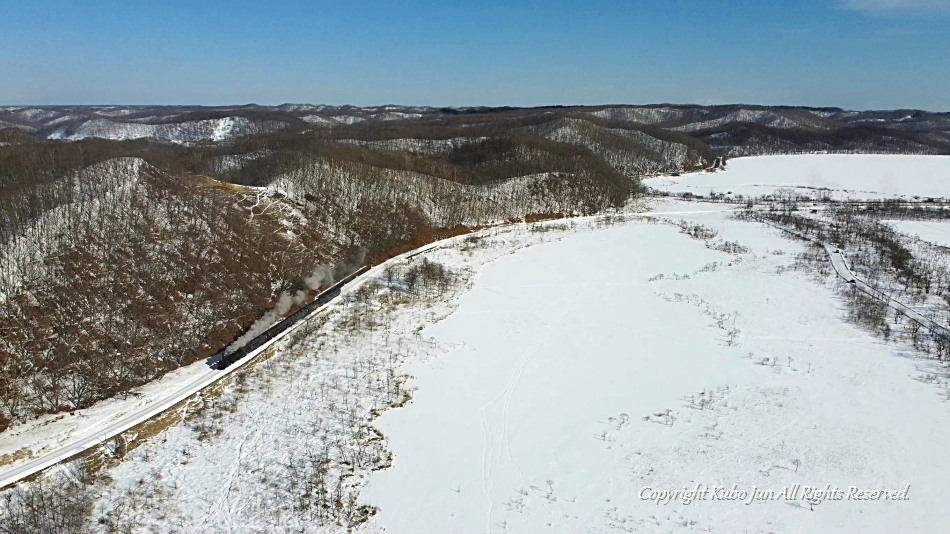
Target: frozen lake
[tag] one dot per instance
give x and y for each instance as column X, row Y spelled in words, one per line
column 839, row 176
column 574, row 377
column 936, row 232
column 549, row 345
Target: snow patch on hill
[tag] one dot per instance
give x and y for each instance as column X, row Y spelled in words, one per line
column 428, row 147
column 644, row 115
column 317, row 119
column 651, row 156
column 109, row 183
column 183, row 132
column 766, row 118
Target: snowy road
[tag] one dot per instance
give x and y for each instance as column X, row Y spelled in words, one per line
column 840, row 265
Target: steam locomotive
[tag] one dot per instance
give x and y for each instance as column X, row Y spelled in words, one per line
column 222, row 361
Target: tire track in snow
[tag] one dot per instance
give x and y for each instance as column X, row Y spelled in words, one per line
column 488, row 458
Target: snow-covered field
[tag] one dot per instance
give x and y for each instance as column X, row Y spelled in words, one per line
column 838, row 176
column 576, row 377
column 935, row 232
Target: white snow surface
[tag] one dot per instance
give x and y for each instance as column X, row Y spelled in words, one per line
column 317, row 119
column 935, row 232
column 572, row 381
column 839, row 176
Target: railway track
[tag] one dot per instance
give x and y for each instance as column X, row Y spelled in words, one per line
column 214, row 372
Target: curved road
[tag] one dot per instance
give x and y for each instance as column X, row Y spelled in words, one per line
column 840, row 265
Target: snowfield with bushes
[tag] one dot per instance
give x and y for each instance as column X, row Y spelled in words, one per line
column 582, row 375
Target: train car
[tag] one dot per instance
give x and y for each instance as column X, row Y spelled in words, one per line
column 323, row 298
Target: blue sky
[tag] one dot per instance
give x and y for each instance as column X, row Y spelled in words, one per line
column 857, row 54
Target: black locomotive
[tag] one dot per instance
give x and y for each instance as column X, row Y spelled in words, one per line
column 224, row 360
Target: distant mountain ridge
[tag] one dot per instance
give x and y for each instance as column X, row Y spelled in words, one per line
column 731, row 129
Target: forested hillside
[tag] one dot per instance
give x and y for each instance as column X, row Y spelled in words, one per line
column 135, row 240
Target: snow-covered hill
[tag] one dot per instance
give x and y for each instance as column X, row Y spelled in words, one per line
column 181, row 132
column 630, row 151
column 119, row 272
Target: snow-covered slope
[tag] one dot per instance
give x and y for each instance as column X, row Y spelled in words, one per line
column 767, row 118
column 116, row 273
column 181, row 132
column 647, row 115
column 428, row 147
column 631, row 152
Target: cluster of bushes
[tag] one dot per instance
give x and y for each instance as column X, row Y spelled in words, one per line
column 697, row 231
column 428, row 277
column 62, row 505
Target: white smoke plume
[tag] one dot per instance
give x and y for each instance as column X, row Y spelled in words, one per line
column 284, row 302
column 321, row 275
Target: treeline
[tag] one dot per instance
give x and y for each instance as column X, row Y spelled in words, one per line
column 896, row 209
column 749, row 138
column 875, row 247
